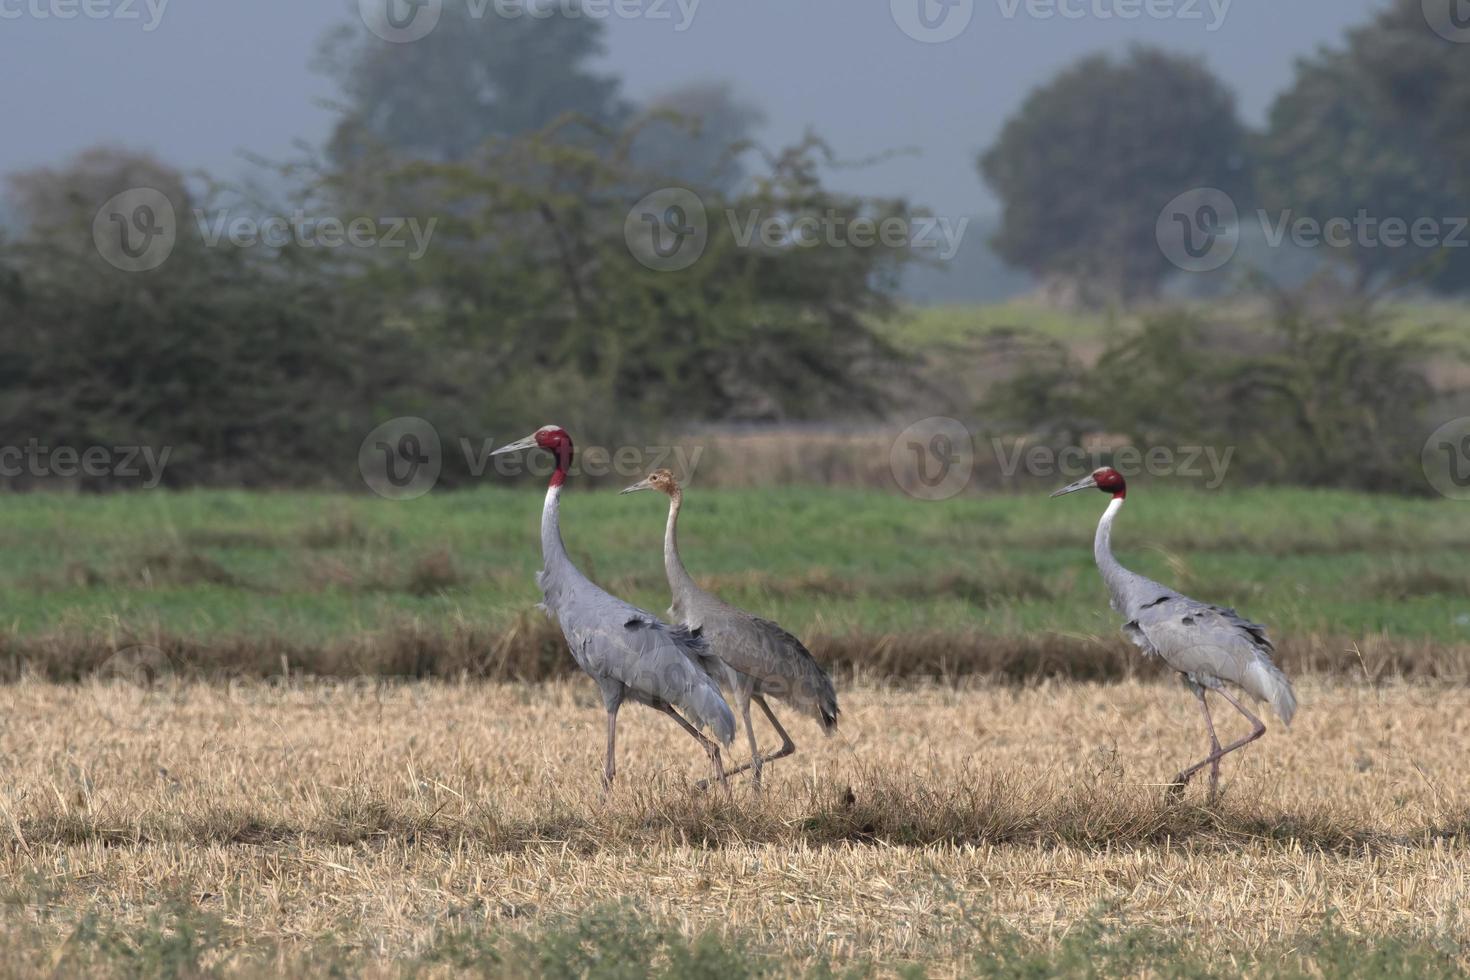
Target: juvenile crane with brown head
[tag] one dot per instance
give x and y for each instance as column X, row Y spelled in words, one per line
column 759, row 658
column 1208, row 645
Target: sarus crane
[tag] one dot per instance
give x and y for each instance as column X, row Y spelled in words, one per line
column 631, row 654
column 759, row 657
column 1208, row 645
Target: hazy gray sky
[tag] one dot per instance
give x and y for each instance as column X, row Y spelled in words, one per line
column 197, row 82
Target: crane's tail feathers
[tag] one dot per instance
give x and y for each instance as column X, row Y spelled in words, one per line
column 703, row 703
column 813, row 695
column 804, row 684
column 710, row 712
column 1271, row 686
column 826, row 699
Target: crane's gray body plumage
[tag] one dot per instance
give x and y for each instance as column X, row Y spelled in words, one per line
column 759, row 657
column 1207, row 644
column 630, row 653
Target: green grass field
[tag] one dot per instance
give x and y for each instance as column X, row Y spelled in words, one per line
column 938, row 327
column 315, row 567
column 944, row 328
column 430, row 829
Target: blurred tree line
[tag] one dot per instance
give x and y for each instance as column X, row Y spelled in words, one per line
column 525, row 175
column 1309, row 396
column 1368, row 132
column 262, row 362
column 1321, row 387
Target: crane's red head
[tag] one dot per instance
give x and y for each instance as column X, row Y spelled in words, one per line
column 552, row 438
column 1104, row 478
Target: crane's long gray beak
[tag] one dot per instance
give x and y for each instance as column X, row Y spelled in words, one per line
column 640, row 485
column 527, row 443
column 1086, row 483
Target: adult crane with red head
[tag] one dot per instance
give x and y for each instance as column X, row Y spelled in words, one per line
column 1208, row 645
column 630, row 653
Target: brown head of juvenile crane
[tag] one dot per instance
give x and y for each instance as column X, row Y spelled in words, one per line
column 1209, row 646
column 760, row 659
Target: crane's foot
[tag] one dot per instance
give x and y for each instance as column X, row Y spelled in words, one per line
column 704, row 784
column 720, row 776
column 1176, row 786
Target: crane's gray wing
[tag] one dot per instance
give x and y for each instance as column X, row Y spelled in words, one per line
column 657, row 663
column 781, row 663
column 1211, row 644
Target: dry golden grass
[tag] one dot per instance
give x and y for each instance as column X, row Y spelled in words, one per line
column 531, row 648
column 383, row 815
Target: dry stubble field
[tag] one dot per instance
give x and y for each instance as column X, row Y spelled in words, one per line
column 388, row 830
column 429, row 826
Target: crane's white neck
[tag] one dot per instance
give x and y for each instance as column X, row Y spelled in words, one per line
column 1102, row 545
column 1113, row 573
column 673, row 566
column 551, row 543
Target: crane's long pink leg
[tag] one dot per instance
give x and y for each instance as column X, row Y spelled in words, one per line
column 788, row 747
column 710, row 747
column 1214, row 750
column 1177, row 785
column 1258, row 728
column 610, row 768
column 755, row 749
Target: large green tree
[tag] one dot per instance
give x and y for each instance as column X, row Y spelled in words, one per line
column 1423, row 73
column 536, row 275
column 476, row 76
column 1085, row 167
column 250, row 365
column 262, row 363
column 1374, row 132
